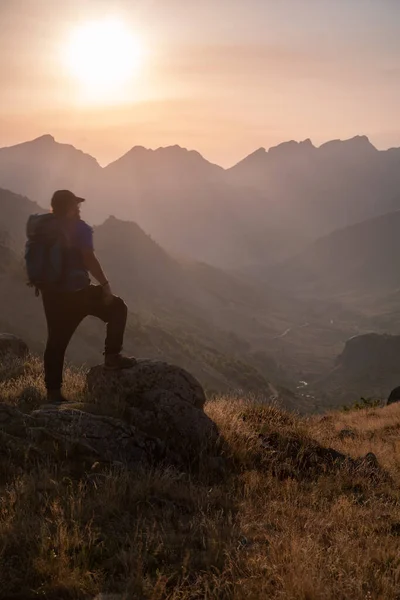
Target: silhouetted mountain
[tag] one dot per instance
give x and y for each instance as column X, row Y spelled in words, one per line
column 174, row 166
column 39, row 167
column 181, row 199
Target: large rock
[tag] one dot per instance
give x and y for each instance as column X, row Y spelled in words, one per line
column 76, row 435
column 162, row 400
column 148, row 377
column 11, row 345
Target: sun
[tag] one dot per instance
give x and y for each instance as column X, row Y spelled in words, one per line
column 103, row 56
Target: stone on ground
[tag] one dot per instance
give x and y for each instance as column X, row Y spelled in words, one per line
column 162, row 400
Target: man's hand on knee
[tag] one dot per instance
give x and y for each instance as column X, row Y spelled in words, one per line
column 107, row 294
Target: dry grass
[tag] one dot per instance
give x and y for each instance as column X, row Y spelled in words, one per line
column 255, row 533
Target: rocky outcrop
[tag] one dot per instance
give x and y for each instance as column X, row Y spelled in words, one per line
column 371, row 351
column 161, row 400
column 368, row 367
column 11, row 345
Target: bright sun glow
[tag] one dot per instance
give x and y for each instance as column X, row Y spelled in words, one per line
column 104, row 56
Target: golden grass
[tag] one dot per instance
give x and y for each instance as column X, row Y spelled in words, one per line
column 248, row 534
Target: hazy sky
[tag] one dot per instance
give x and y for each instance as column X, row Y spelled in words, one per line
column 221, row 76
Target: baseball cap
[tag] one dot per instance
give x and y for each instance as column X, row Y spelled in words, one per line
column 63, row 199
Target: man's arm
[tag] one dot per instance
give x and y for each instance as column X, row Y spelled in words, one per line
column 94, row 267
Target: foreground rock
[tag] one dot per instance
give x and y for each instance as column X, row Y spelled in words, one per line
column 147, row 378
column 149, row 414
column 74, row 435
column 161, row 400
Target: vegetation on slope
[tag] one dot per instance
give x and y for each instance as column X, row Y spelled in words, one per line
column 283, row 518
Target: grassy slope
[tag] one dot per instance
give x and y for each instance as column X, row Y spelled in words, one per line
column 266, row 528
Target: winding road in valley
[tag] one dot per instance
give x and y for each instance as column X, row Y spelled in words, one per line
column 287, row 331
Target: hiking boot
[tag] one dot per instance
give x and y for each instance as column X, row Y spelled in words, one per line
column 55, row 397
column 117, row 362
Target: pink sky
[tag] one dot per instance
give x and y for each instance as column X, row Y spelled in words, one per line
column 223, row 77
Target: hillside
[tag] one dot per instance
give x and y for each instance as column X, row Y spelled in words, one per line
column 358, row 264
column 280, row 507
column 15, row 210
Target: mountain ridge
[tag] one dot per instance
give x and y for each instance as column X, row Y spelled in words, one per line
column 48, row 138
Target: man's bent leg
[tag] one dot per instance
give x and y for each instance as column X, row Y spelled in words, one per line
column 115, row 315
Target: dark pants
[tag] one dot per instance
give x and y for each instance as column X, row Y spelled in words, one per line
column 64, row 312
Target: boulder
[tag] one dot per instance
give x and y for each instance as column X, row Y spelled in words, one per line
column 147, row 377
column 11, row 345
column 110, row 439
column 161, row 400
column 76, row 435
column 394, row 396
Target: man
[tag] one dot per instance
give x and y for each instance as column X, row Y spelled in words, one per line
column 76, row 298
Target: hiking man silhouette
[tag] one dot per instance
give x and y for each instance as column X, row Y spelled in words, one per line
column 75, row 298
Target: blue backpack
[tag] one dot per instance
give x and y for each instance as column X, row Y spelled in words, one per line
column 45, row 252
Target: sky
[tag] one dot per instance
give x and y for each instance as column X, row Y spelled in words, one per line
column 224, row 77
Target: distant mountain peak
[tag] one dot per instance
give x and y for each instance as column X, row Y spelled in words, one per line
column 164, row 157
column 46, row 138
column 174, row 150
column 47, row 145
column 292, row 147
column 358, row 142
column 260, row 152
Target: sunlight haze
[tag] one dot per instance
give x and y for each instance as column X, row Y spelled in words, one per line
column 103, row 56
column 221, row 77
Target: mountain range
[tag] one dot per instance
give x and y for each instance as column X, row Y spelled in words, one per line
column 262, row 210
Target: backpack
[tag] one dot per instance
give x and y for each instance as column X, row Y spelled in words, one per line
column 45, row 252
